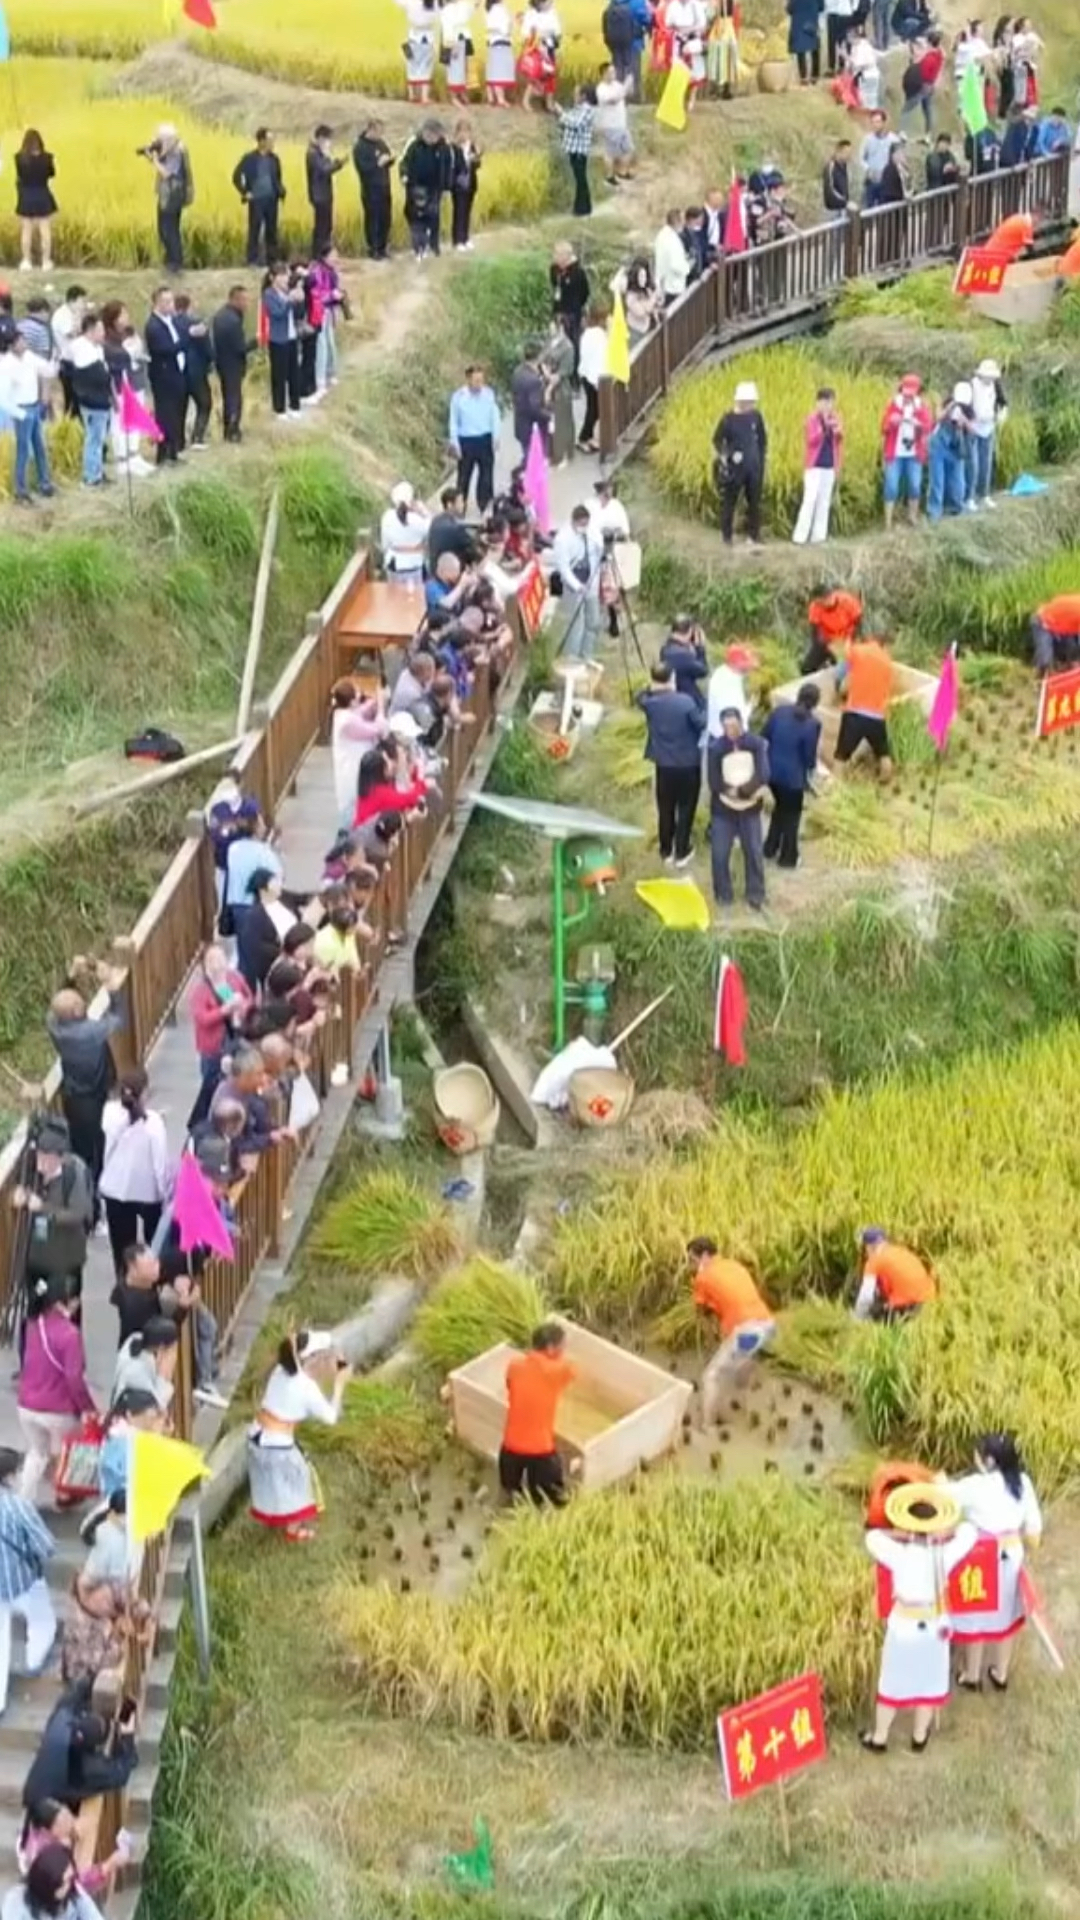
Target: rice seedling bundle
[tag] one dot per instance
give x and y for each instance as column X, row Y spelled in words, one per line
column 976, row 1168
column 95, row 136
column 386, row 1427
column 788, row 378
column 632, row 1615
column 386, row 1223
column 475, row 1308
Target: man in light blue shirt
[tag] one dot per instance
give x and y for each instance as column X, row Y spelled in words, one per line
column 474, row 436
column 1053, row 135
column 248, row 851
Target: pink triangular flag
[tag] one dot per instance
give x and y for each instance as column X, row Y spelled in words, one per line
column 535, row 487
column 134, row 417
column 735, row 239
column 943, row 711
column 197, row 1216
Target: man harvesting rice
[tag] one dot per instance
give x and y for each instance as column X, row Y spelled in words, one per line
column 529, row 1462
column 895, row 1283
column 727, row 1289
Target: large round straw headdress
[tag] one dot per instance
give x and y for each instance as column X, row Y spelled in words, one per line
column 922, row 1509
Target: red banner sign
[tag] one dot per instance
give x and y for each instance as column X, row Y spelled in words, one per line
column 1059, row 703
column 531, row 595
column 771, row 1737
column 981, row 270
column 973, row 1585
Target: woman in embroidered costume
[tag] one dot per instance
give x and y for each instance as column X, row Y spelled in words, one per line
column 999, row 1499
column 927, row 1540
column 284, row 1491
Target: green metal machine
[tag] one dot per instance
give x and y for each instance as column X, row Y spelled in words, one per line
column 582, row 865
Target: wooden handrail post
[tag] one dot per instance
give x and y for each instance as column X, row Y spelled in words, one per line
column 195, row 829
column 665, row 355
column 608, row 431
column 131, row 1038
column 853, row 244
column 963, row 213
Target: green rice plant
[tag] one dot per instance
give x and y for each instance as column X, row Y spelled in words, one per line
column 633, row 1615
column 474, row 1308
column 788, row 378
column 926, row 298
column 911, row 743
column 992, row 610
column 386, row 1223
column 387, row 1428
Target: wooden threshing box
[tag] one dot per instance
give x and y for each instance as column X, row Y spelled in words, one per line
column 910, row 682
column 619, row 1411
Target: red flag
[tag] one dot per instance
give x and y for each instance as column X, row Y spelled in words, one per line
column 735, row 237
column 201, row 12
column 134, row 417
column 262, row 330
column 731, row 1012
column 943, row 711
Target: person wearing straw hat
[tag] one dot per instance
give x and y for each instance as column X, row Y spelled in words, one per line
column 284, row 1491
column 927, row 1540
column 999, row 1499
column 990, row 411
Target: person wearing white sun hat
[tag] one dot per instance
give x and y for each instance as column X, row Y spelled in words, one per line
column 403, row 536
column 990, row 413
column 740, row 444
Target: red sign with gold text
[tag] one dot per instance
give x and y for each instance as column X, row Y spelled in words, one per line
column 981, row 270
column 775, row 1735
column 531, row 594
column 973, row 1585
column 1059, row 703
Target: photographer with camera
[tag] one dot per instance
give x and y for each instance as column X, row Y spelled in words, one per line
column 175, row 189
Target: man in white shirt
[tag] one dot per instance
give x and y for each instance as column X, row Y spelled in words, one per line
column 23, row 379
column 671, row 268
column 576, row 555
column 66, row 327
column 727, row 688
column 611, row 125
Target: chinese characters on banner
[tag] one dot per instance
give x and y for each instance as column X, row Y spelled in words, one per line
column 1059, row 702
column 531, row 594
column 981, row 270
column 772, row 1737
column 973, row 1585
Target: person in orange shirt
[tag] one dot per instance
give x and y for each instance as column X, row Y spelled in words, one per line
column 895, row 1283
column 1013, row 236
column 1055, row 633
column 1069, row 264
column 834, row 619
column 529, row 1462
column 727, row 1289
column 868, row 678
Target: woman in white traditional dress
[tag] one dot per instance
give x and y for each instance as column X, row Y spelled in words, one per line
column 457, row 47
column 284, row 1491
column 688, row 21
column 999, row 1499
column 499, row 75
column 928, row 1540
column 421, row 47
column 541, row 36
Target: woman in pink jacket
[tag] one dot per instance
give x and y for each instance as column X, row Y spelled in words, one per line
column 53, row 1394
column 824, row 446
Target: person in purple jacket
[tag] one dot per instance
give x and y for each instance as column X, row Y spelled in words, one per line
column 53, row 1392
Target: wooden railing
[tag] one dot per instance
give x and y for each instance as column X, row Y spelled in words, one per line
column 746, row 292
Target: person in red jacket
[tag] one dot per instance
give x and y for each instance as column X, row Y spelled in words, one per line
column 821, row 467
column 905, row 433
column 376, row 792
column 219, row 999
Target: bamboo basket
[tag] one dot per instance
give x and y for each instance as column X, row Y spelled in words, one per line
column 774, row 76
column 600, row 1096
column 466, row 1107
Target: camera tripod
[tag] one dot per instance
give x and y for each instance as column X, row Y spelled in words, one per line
column 608, row 558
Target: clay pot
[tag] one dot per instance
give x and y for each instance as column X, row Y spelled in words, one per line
column 774, row 76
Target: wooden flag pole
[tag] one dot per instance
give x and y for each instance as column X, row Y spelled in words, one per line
column 934, row 800
column 157, row 777
column 785, row 1823
column 258, row 616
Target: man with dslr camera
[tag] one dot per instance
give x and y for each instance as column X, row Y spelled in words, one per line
column 175, row 190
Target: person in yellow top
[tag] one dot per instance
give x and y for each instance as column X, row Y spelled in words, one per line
column 895, row 1283
column 868, row 680
column 727, row 1289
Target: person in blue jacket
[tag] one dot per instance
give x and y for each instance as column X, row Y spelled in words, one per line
column 683, row 653
column 1053, row 135
column 793, row 733
column 675, row 723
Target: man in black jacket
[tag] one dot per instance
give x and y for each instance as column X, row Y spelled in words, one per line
column 569, row 284
column 836, row 180
column 373, row 161
column 675, row 723
column 426, row 171
column 231, row 350
column 741, row 444
column 76, row 1759
column 617, row 27
column 168, row 378
column 321, row 167
column 257, row 180
column 198, row 360
column 942, row 166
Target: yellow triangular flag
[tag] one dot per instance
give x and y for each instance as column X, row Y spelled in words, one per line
column 671, row 111
column 618, row 345
column 159, row 1473
column 679, row 903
